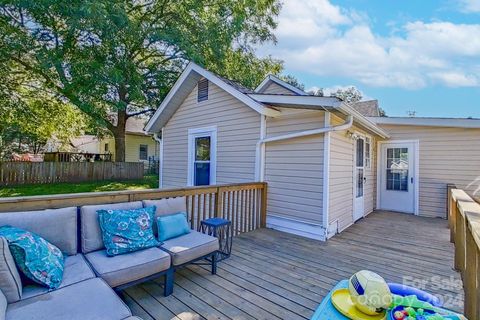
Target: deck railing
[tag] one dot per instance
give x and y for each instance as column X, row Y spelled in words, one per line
column 464, row 221
column 245, row 204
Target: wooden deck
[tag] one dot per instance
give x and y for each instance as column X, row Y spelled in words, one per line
column 275, row 275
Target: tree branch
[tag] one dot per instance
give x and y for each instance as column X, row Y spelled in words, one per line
column 140, row 112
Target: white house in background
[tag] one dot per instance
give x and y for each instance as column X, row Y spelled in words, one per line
column 139, row 145
column 327, row 163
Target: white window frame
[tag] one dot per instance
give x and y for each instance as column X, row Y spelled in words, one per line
column 198, row 133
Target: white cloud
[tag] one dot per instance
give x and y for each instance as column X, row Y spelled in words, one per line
column 469, row 6
column 320, row 38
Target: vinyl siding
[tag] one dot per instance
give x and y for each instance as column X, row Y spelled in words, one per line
column 342, row 177
column 447, row 155
column 294, row 167
column 238, row 130
column 132, row 147
column 274, row 88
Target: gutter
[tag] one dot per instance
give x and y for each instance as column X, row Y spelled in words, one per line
column 260, row 156
column 160, row 162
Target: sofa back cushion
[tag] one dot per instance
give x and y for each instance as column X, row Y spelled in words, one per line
column 57, row 226
column 10, row 281
column 166, row 207
column 91, row 234
column 3, row 306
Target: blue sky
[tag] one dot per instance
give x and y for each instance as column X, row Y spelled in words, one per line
column 421, row 56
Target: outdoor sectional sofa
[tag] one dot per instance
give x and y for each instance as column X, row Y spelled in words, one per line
column 89, row 274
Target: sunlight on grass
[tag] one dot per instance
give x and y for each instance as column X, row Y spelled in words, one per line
column 148, row 182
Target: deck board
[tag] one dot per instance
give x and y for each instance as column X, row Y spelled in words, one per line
column 275, row 275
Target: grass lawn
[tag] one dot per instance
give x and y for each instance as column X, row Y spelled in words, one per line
column 148, row 182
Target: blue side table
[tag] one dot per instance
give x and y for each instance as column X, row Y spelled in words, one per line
column 221, row 229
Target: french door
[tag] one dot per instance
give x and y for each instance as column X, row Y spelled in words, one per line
column 359, row 174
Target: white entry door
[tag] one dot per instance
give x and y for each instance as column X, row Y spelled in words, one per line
column 397, row 177
column 359, row 173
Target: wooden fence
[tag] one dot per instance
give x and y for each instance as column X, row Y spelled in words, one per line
column 15, row 173
column 244, row 204
column 464, row 221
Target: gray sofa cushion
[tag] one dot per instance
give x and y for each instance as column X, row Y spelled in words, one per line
column 10, row 282
column 91, row 234
column 166, row 206
column 3, row 306
column 58, row 226
column 190, row 246
column 76, row 270
column 128, row 267
column 90, row 299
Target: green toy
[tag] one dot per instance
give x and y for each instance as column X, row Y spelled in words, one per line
column 413, row 306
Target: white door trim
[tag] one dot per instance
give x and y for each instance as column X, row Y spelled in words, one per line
column 202, row 132
column 416, row 185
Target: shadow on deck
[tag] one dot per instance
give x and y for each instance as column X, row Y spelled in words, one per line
column 275, row 275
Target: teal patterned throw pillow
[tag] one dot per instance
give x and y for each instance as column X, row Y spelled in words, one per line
column 38, row 259
column 127, row 230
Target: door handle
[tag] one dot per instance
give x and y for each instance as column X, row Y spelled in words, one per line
column 365, row 179
column 411, row 180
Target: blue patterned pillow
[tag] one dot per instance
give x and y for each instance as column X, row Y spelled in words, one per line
column 127, row 230
column 37, row 259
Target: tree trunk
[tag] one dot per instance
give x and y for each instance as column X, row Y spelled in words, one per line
column 119, row 135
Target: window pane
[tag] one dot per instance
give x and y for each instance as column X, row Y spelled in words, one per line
column 202, row 149
column 202, row 174
column 360, row 150
column 360, row 183
column 143, row 152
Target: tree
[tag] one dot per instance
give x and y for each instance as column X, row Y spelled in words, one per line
column 349, row 95
column 318, row 92
column 117, row 59
column 293, row 81
column 29, row 120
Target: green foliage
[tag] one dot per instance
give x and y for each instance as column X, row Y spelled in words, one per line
column 115, row 59
column 293, row 81
column 29, row 119
column 349, row 95
column 148, row 182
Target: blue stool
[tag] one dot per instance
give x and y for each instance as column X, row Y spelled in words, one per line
column 221, row 229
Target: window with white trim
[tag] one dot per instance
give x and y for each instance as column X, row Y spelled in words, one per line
column 368, row 152
column 202, row 156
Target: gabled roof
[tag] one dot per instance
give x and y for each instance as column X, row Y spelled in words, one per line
column 319, row 103
column 367, row 108
column 183, row 87
column 271, row 78
column 429, row 122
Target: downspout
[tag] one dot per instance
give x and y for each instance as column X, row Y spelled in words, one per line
column 261, row 143
column 160, row 161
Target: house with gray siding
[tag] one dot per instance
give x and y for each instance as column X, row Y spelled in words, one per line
column 327, row 163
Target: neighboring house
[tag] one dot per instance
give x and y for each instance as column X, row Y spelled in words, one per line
column 139, row 145
column 326, row 163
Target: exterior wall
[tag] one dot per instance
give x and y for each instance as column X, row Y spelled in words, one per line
column 341, row 186
column 132, row 147
column 294, row 167
column 274, row 88
column 238, row 130
column 447, row 155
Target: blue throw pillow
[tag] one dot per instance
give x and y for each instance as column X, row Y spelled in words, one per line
column 39, row 260
column 127, row 230
column 172, row 226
